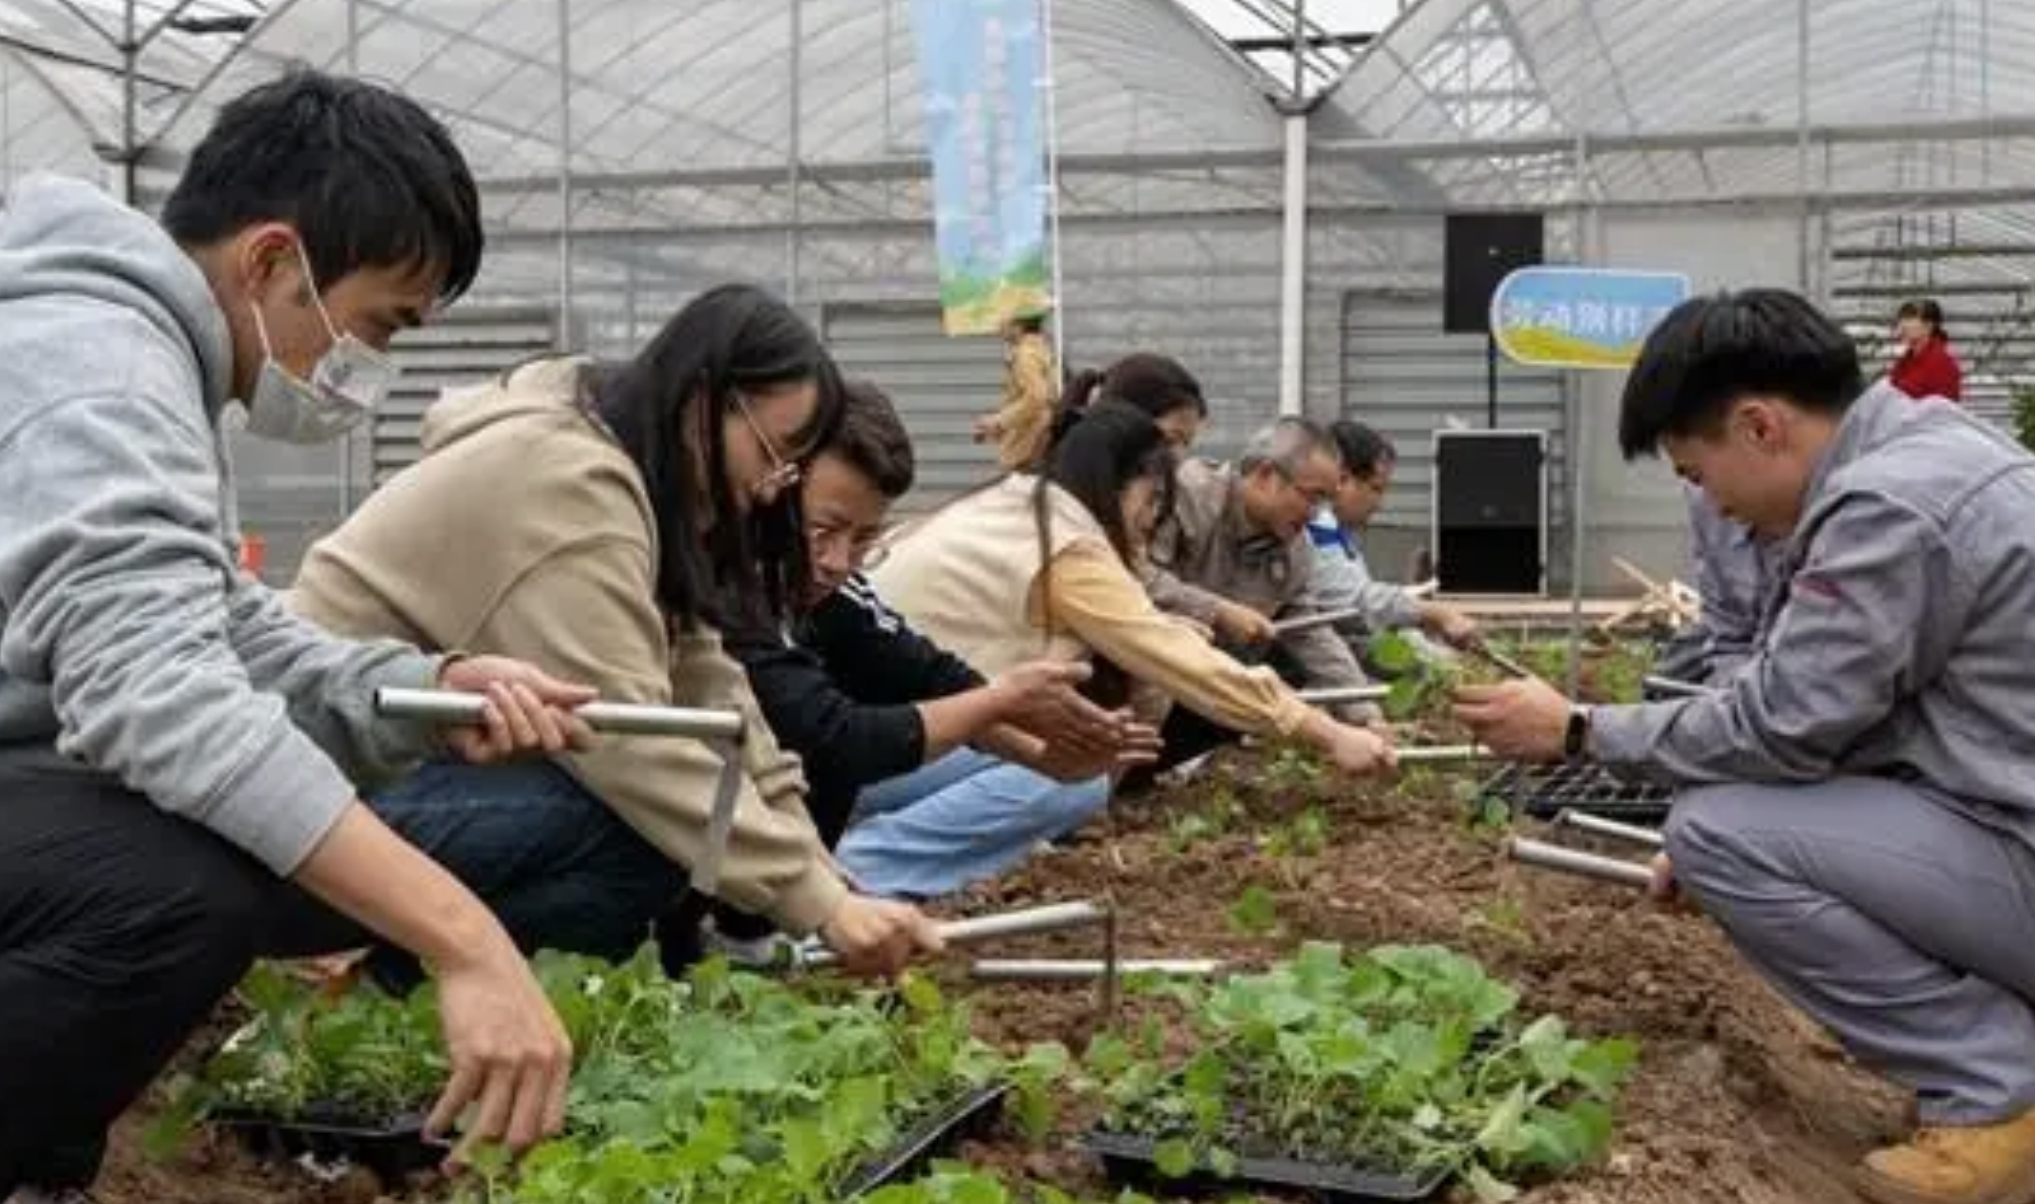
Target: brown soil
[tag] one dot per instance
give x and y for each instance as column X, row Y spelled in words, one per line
column 1738, row 1099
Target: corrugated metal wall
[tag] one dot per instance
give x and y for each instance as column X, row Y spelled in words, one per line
column 465, row 347
column 1406, row 378
column 292, row 496
column 941, row 385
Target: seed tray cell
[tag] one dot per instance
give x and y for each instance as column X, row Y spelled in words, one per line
column 1131, row 1160
column 1544, row 791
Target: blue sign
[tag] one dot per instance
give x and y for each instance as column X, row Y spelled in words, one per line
column 1581, row 317
column 980, row 61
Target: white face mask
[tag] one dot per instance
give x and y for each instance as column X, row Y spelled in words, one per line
column 348, row 383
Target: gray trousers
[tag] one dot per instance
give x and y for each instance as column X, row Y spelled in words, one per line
column 1904, row 927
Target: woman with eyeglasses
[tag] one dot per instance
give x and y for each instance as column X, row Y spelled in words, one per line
column 1045, row 565
column 602, row 520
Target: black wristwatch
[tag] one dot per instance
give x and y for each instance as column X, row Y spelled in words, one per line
column 1576, row 740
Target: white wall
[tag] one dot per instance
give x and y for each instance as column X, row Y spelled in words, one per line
column 1635, row 511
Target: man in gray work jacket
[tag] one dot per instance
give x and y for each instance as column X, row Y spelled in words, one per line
column 1735, row 570
column 1858, row 805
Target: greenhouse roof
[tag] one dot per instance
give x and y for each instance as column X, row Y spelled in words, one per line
column 1908, row 127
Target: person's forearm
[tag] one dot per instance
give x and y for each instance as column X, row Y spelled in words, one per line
column 959, row 719
column 365, row 871
column 1317, row 729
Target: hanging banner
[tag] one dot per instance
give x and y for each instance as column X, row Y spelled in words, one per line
column 980, row 61
column 1581, row 317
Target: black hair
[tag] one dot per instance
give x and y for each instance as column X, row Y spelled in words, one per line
column 1114, row 445
column 1154, row 383
column 732, row 339
column 367, row 177
column 1927, row 310
column 1711, row 351
column 1364, row 450
column 872, row 439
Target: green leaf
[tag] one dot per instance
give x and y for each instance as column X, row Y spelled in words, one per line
column 1174, row 1158
column 920, row 993
column 1253, row 912
column 1488, row 1187
column 1223, row 1161
column 1504, row 1131
column 1393, row 653
column 1602, row 1065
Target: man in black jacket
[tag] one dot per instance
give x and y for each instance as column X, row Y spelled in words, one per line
column 924, row 776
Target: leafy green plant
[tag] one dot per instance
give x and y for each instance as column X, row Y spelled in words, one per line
column 1405, row 1058
column 1420, row 685
column 1306, row 835
column 1293, row 768
column 1220, row 816
column 1253, row 911
column 723, row 1087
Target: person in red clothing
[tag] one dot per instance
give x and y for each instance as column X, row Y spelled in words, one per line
column 1926, row 367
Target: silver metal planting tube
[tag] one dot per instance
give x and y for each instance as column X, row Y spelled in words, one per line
column 1030, row 921
column 1673, row 687
column 1431, row 753
column 1569, row 861
column 453, row 707
column 1326, row 618
column 1086, row 969
column 1335, row 695
column 1583, row 821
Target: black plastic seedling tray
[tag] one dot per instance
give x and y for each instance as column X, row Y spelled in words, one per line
column 390, row 1148
column 397, row 1147
column 1130, row 1160
column 970, row 1114
column 1545, row 791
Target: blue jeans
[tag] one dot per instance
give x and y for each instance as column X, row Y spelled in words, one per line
column 960, row 819
column 555, row 864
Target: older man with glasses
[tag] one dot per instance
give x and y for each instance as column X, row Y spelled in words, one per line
column 1234, row 556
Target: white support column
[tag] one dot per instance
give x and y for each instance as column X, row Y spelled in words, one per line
column 1293, row 269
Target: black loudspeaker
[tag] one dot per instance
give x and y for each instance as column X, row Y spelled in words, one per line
column 1480, row 250
column 1490, row 511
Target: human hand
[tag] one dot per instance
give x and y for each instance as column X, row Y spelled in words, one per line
column 1240, row 624
column 527, row 711
column 877, row 938
column 1139, row 744
column 1523, row 719
column 510, row 1056
column 1040, row 699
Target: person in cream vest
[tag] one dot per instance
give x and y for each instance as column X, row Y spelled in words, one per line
column 589, row 519
column 1040, row 565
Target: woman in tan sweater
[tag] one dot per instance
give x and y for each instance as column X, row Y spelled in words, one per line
column 589, row 518
column 1033, row 565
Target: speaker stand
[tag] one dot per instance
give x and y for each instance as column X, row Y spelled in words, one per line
column 1491, row 379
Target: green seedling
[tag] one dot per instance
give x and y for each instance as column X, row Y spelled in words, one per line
column 722, row 1088
column 1404, row 1057
column 1253, row 912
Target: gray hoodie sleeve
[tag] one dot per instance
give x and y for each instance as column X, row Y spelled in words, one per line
column 1869, row 617
column 329, row 683
column 120, row 598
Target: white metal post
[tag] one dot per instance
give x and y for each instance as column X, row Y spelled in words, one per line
column 347, row 442
column 1059, row 301
column 1293, row 267
column 792, row 240
column 564, row 173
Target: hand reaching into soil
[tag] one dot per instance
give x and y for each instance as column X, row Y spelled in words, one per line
column 1358, row 751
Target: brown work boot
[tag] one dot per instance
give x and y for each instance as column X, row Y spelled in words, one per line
column 1981, row 1164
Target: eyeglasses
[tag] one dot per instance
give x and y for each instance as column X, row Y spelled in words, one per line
column 784, row 471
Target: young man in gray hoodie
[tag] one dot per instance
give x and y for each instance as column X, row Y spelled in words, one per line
column 178, row 754
column 1858, row 802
